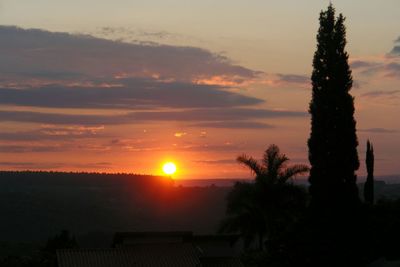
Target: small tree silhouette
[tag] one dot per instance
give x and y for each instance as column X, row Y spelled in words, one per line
column 369, row 184
column 62, row 241
column 263, row 209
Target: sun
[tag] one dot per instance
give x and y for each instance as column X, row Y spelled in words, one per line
column 169, row 168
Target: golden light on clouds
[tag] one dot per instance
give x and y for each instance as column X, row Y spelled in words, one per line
column 180, row 134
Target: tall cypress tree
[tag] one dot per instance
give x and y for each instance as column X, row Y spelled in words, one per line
column 333, row 140
column 369, row 183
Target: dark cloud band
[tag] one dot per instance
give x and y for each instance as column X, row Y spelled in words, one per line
column 199, row 115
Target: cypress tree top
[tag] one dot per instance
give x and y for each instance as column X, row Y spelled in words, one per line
column 333, row 141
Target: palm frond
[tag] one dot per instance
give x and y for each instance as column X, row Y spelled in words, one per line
column 273, row 161
column 251, row 163
column 292, row 172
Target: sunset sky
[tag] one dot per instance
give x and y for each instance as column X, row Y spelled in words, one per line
column 124, row 86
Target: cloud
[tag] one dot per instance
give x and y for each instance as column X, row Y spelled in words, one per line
column 393, row 70
column 374, row 94
column 227, row 147
column 131, row 94
column 396, row 49
column 137, row 35
column 72, row 87
column 47, row 166
column 30, row 165
column 54, row 132
column 31, row 148
column 147, row 145
column 129, row 33
column 43, row 146
column 234, row 125
column 132, row 83
column 200, row 115
column 180, row 134
column 387, row 67
column 74, row 130
column 378, row 130
column 294, row 78
column 382, row 97
column 216, row 162
column 280, row 80
column 60, row 70
column 57, row 118
column 57, row 55
column 362, row 64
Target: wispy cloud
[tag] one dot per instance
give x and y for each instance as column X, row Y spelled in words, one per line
column 62, row 56
column 216, row 162
column 200, row 115
column 380, row 93
column 396, row 49
column 234, row 125
column 142, row 36
column 54, row 132
column 31, row 148
column 30, row 165
column 55, row 165
column 361, row 64
column 378, row 130
column 382, row 97
column 131, row 94
column 294, row 78
column 386, row 67
column 180, row 134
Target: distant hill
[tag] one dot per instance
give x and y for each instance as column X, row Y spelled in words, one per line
column 383, row 190
column 389, row 179
column 229, row 182
column 36, row 205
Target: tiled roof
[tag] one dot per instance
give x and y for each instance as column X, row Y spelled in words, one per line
column 148, row 249
column 215, row 246
column 143, row 255
column 128, row 238
column 221, row 262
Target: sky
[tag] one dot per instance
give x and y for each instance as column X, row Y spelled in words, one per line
column 124, row 86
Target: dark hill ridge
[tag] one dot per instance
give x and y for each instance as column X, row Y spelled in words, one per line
column 36, row 205
column 41, row 178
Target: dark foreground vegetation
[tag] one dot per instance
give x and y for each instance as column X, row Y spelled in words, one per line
column 93, row 206
column 37, row 206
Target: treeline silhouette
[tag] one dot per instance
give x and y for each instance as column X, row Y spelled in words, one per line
column 36, row 205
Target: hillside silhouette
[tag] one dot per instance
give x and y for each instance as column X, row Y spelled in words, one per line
column 36, row 205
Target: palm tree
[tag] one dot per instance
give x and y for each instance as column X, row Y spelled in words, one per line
column 263, row 209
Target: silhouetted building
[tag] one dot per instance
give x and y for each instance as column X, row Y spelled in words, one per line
column 177, row 254
column 127, row 239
